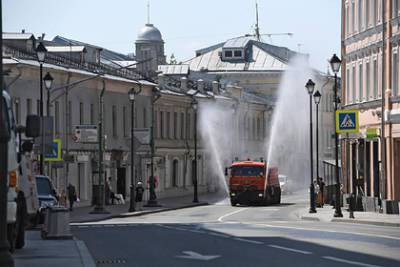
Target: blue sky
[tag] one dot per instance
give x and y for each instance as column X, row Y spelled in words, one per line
column 186, row 25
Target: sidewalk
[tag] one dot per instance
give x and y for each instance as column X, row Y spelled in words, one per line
column 325, row 214
column 42, row 253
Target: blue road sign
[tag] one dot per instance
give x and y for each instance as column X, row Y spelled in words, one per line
column 347, row 121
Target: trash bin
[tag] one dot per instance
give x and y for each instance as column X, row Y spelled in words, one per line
column 56, row 225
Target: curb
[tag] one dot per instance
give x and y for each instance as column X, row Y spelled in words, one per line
column 86, row 257
column 140, row 213
column 309, row 218
column 377, row 223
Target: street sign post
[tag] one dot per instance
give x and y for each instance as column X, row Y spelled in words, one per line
column 55, row 154
column 347, row 121
column 85, row 134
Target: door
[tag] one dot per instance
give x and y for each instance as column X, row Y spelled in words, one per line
column 121, row 181
column 396, row 177
column 368, row 168
column 375, row 167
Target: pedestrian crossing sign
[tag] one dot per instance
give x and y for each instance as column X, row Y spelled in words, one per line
column 347, row 121
column 56, row 151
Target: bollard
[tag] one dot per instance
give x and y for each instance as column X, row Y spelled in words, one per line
column 352, row 206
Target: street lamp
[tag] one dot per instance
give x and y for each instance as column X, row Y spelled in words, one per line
column 335, row 65
column 194, row 172
column 317, row 99
column 48, row 82
column 41, row 52
column 132, row 94
column 152, row 202
column 310, row 89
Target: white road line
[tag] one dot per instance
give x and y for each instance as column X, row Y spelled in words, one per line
column 229, row 214
column 219, row 235
column 329, row 231
column 83, row 226
column 249, row 241
column 350, row 262
column 291, row 249
column 197, row 231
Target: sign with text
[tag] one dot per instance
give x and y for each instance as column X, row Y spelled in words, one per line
column 85, row 134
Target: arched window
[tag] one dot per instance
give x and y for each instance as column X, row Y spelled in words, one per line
column 175, row 173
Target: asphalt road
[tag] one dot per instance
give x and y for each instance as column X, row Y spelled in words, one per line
column 221, row 235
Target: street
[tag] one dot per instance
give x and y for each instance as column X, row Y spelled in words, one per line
column 221, row 235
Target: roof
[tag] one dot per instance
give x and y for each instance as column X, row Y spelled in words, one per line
column 149, row 33
column 182, row 69
column 17, row 36
column 238, row 42
column 66, row 49
column 248, row 163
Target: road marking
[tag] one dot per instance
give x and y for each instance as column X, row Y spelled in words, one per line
column 197, row 256
column 197, row 231
column 329, row 231
column 229, row 214
column 83, row 226
column 249, row 241
column 350, row 262
column 291, row 249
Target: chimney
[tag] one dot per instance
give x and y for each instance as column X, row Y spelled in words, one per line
column 215, row 87
column 23, row 31
column 184, row 84
column 200, row 86
column 161, row 80
column 43, row 34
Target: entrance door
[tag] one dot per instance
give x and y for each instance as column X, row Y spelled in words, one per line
column 396, row 177
column 368, row 168
column 375, row 167
column 121, row 181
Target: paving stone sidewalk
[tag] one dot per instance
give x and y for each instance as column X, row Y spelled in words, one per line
column 325, row 214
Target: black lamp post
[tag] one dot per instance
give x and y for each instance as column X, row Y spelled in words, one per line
column 152, row 202
column 132, row 94
column 317, row 99
column 310, row 89
column 41, row 52
column 48, row 82
column 335, row 65
column 194, row 172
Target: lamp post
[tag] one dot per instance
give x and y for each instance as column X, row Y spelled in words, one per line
column 310, row 89
column 132, row 94
column 317, row 99
column 41, row 52
column 194, row 172
column 48, row 82
column 335, row 65
column 152, row 202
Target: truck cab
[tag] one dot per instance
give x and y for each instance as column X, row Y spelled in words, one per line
column 249, row 183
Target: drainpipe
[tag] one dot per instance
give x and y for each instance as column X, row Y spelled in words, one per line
column 383, row 138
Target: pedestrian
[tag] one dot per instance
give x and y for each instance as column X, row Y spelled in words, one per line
column 63, row 198
column 139, row 195
column 71, row 195
column 107, row 191
column 321, row 189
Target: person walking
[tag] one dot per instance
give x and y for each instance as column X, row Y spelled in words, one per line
column 139, row 195
column 71, row 195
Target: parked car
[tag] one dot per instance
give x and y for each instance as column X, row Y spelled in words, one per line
column 285, row 185
column 46, row 194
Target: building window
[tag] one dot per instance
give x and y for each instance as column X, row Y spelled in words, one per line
column 28, row 106
column 154, row 125
column 175, row 173
column 57, row 117
column 37, row 107
column 367, row 80
column 161, row 124
column 81, row 113
column 360, row 83
column 144, row 117
column 367, row 13
column 360, row 15
column 258, row 129
column 69, row 114
column 114, row 121
column 238, row 54
column 228, row 53
column 347, row 20
column 395, row 8
column 353, row 15
column 17, row 110
column 375, row 12
column 395, row 74
column 175, row 125
column 375, row 78
column 354, row 84
column 92, row 114
column 188, row 125
column 347, row 86
column 182, row 125
column 168, row 125
column 124, row 121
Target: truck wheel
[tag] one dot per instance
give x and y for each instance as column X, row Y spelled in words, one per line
column 233, row 203
column 11, row 236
